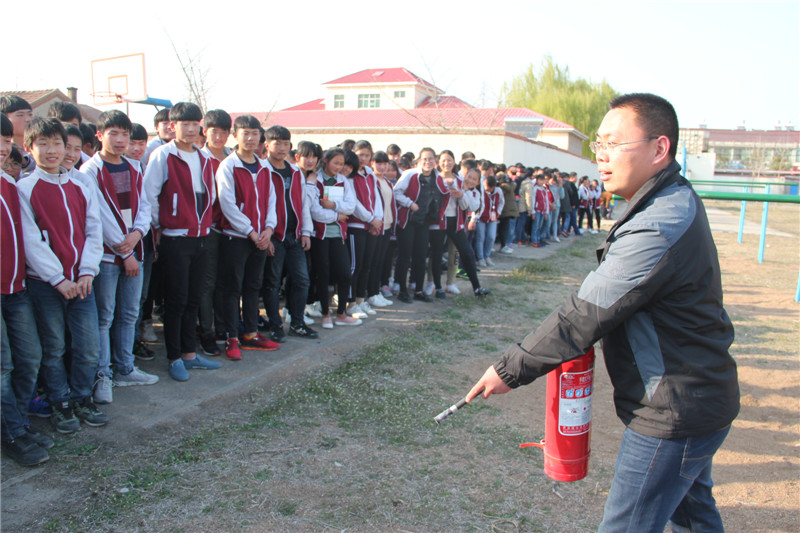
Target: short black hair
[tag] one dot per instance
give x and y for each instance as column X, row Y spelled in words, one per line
column 347, row 144
column 64, row 111
column 44, row 127
column 138, row 133
column 351, row 159
column 15, row 155
column 185, row 112
column 74, row 131
column 242, row 122
column 380, row 157
column 113, row 119
column 161, row 116
column 491, row 181
column 655, row 115
column 486, row 165
column 308, row 149
column 6, row 127
column 278, row 133
column 11, row 103
column 467, row 155
column 469, row 164
column 393, row 149
column 217, row 118
column 89, row 132
column 410, row 156
column 363, row 144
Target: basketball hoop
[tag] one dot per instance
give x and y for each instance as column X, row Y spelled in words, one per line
column 118, row 79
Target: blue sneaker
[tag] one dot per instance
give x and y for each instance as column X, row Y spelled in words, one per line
column 177, row 370
column 40, row 407
column 201, row 363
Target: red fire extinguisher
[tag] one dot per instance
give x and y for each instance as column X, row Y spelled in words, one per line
column 568, row 423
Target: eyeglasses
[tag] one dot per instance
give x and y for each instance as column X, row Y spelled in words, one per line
column 609, row 146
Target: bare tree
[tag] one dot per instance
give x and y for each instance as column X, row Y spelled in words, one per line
column 196, row 75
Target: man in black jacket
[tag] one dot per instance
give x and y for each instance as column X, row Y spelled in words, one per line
column 656, row 302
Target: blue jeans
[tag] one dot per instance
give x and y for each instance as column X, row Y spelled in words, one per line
column 553, row 223
column 485, row 234
column 117, row 298
column 53, row 315
column 661, row 480
column 519, row 229
column 572, row 222
column 536, row 227
column 512, row 231
column 21, row 357
column 289, row 252
column 147, row 269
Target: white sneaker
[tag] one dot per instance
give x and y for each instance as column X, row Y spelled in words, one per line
column 147, row 333
column 308, row 320
column 592, row 231
column 556, row 239
column 327, row 322
column 355, row 311
column 136, row 377
column 102, row 389
column 374, row 301
column 347, row 321
column 489, row 262
column 429, row 288
column 314, row 310
column 452, row 289
column 384, row 301
column 365, row 307
column 506, row 250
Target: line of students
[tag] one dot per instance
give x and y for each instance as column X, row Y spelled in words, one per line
column 219, row 228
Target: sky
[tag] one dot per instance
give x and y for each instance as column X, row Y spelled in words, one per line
column 719, row 63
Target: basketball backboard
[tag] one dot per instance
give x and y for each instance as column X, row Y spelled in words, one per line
column 118, row 79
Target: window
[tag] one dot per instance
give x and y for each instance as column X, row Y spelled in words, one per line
column 338, row 101
column 369, row 100
column 399, row 94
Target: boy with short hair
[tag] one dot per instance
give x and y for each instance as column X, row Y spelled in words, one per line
column 217, row 128
column 138, row 143
column 20, row 348
column 180, row 189
column 541, row 208
column 90, row 142
column 66, row 112
column 72, row 150
column 64, row 244
column 291, row 239
column 126, row 218
column 164, row 134
column 247, row 200
column 20, row 113
column 486, row 219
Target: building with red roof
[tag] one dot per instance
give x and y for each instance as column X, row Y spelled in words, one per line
column 394, row 105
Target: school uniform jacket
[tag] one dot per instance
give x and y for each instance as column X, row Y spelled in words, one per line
column 369, row 204
column 216, row 210
column 491, row 203
column 471, row 201
column 62, row 228
column 12, row 245
column 542, row 202
column 460, row 203
column 170, row 192
column 381, row 183
column 114, row 225
column 406, row 192
column 321, row 216
column 584, row 197
column 247, row 201
column 297, row 204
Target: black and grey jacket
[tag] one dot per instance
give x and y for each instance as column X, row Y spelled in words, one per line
column 656, row 302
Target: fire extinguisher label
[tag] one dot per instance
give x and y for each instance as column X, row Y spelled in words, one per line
column 575, row 401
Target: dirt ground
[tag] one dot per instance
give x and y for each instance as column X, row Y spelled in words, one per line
column 339, row 437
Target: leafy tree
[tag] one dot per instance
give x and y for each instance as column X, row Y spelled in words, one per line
column 552, row 92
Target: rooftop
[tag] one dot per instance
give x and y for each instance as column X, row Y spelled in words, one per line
column 382, row 75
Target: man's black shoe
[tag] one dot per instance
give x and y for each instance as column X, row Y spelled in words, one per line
column 422, row 297
column 403, row 296
column 278, row 335
column 303, row 331
column 25, row 451
column 143, row 352
column 208, row 345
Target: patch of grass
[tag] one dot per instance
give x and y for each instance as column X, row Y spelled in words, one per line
column 287, row 507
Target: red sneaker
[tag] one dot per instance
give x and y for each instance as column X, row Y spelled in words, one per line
column 259, row 343
column 232, row 351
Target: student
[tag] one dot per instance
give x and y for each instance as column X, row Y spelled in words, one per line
column 597, row 192
column 541, row 208
column 144, row 328
column 212, row 323
column 586, row 199
column 418, row 202
column 291, row 239
column 387, row 291
column 66, row 112
column 331, row 201
column 555, row 194
column 126, row 218
column 90, row 142
column 451, row 224
column 394, row 153
column 380, row 164
column 13, row 163
column 73, row 150
column 247, row 199
column 63, row 237
column 364, row 226
column 20, row 113
column 20, row 348
column 180, row 189
column 164, row 134
column 526, row 201
column 307, row 158
column 138, row 143
column 508, row 217
column 486, row 218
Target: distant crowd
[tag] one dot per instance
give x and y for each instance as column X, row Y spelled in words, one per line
column 101, row 229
